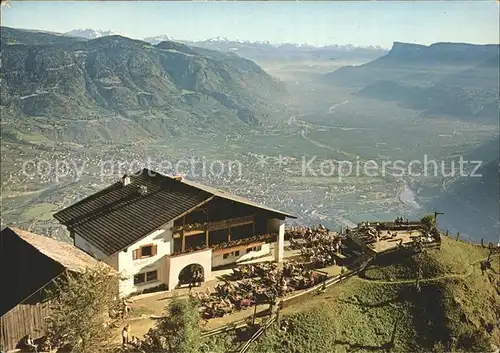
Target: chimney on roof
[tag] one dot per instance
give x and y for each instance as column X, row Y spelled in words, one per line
column 178, row 177
column 126, row 180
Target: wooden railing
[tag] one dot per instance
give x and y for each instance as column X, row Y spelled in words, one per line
column 244, row 241
column 239, row 242
column 214, row 225
column 189, row 251
column 398, row 226
column 244, row 348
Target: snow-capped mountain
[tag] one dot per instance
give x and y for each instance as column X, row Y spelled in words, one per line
column 218, row 39
column 261, row 51
column 91, row 33
column 284, row 45
column 158, row 39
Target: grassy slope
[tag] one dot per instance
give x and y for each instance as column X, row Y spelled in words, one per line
column 451, row 312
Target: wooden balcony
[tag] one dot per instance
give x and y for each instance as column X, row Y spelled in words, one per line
column 189, row 251
column 218, row 249
column 195, row 228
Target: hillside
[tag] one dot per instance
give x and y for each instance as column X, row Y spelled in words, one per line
column 438, row 54
column 472, row 204
column 457, row 308
column 33, row 37
column 115, row 87
column 444, row 79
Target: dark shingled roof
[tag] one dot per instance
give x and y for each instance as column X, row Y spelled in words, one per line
column 118, row 216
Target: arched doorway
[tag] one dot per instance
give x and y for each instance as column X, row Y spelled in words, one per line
column 192, row 274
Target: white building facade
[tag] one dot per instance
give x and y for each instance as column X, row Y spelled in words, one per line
column 155, row 243
column 148, row 263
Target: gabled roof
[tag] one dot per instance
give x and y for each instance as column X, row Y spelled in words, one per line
column 67, row 255
column 120, row 215
column 228, row 196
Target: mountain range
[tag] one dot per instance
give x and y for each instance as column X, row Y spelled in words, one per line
column 89, row 33
column 444, row 79
column 289, row 52
column 133, row 88
column 123, row 87
column 262, row 51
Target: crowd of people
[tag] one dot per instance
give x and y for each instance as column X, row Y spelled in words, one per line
column 265, row 282
column 255, row 284
column 372, row 232
column 317, row 244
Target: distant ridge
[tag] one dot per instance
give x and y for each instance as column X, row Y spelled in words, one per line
column 440, row 53
column 91, row 33
column 456, row 80
column 114, row 87
column 267, row 51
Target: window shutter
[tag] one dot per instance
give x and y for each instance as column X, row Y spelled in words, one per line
column 135, row 254
column 154, row 250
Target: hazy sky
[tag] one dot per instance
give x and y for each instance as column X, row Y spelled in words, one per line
column 316, row 23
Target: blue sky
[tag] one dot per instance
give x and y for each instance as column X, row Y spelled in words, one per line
column 316, row 23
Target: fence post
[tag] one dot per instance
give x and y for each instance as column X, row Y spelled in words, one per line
column 447, row 232
column 482, row 242
column 458, row 235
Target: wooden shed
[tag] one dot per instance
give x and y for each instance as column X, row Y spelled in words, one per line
column 29, row 264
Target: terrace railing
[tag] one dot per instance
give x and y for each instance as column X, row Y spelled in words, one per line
column 239, row 242
column 245, row 241
column 214, row 225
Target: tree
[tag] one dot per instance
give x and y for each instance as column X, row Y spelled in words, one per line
column 80, row 305
column 428, row 223
column 177, row 332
